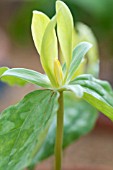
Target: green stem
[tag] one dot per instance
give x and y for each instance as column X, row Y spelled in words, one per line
column 59, row 134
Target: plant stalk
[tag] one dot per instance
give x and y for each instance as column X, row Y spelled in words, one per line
column 59, row 134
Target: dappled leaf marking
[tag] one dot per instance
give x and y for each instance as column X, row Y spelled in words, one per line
column 26, row 135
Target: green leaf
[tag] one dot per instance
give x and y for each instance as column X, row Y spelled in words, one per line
column 100, row 86
column 38, row 26
column 79, row 119
column 76, row 89
column 105, row 85
column 64, row 30
column 21, row 76
column 23, row 128
column 2, row 70
column 97, row 101
column 96, row 94
column 49, row 50
column 78, row 54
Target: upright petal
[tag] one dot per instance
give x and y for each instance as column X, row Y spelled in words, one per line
column 64, row 30
column 39, row 24
column 49, row 50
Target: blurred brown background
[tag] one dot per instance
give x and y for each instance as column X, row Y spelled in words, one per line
column 17, row 50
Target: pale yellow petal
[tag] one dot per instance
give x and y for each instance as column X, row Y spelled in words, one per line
column 38, row 26
column 49, row 50
column 64, row 31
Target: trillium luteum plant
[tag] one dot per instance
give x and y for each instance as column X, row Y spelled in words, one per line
column 24, row 126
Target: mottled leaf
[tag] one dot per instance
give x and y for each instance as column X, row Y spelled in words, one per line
column 79, row 119
column 23, row 128
column 76, row 89
column 96, row 94
column 100, row 86
column 21, row 76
